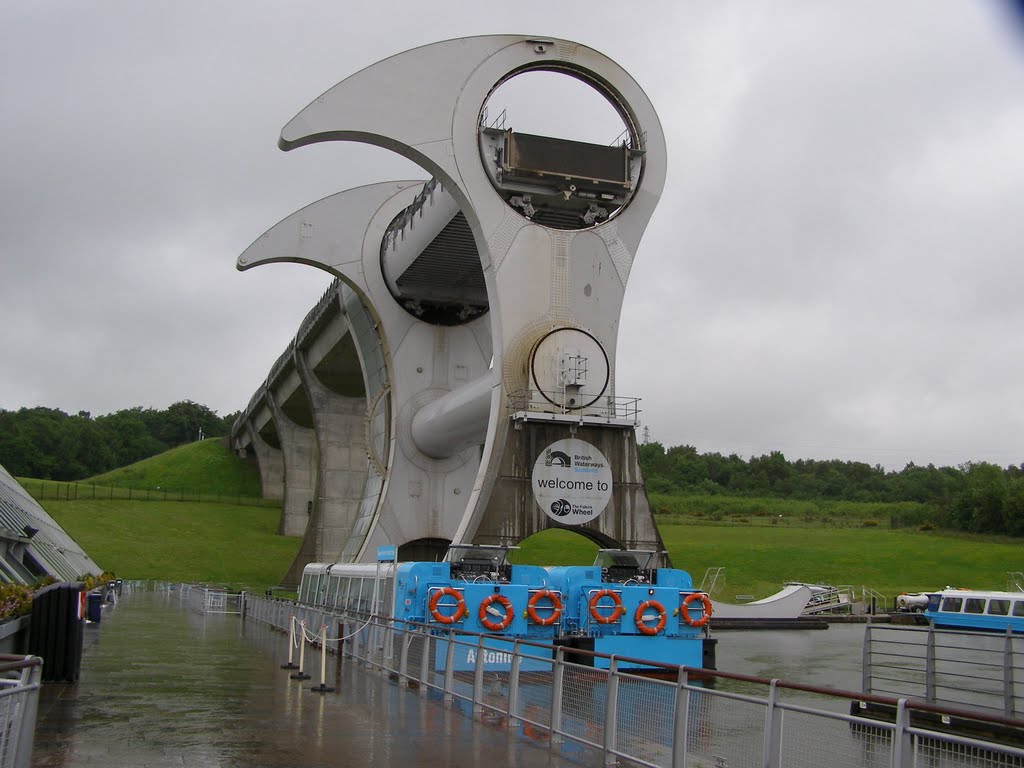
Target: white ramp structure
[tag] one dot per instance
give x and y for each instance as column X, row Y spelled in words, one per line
column 481, row 309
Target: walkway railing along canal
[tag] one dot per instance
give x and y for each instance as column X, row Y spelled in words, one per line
column 19, row 702
column 669, row 716
column 946, row 667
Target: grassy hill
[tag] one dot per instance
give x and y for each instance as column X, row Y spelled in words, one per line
column 195, row 540
column 199, row 542
column 208, row 466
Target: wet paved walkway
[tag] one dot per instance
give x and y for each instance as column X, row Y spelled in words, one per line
column 163, row 686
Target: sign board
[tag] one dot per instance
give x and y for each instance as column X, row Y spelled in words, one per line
column 387, row 553
column 572, row 481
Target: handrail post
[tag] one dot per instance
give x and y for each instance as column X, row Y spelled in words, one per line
column 1008, row 673
column 772, row 749
column 358, row 635
column 478, row 679
column 865, row 662
column 902, row 746
column 31, row 678
column 557, row 682
column 929, row 665
column 513, row 686
column 403, row 659
column 682, row 720
column 425, row 661
column 611, row 711
column 449, row 669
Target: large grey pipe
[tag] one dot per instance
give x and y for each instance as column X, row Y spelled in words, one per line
column 455, row 421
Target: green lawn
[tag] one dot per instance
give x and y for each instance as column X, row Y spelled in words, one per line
column 225, row 544
column 758, row 560
column 761, row 543
column 237, row 546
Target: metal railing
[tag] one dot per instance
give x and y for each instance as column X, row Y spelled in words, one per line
column 205, row 600
column 396, row 230
column 845, row 599
column 946, row 667
column 42, row 490
column 531, row 404
column 19, row 702
column 682, row 717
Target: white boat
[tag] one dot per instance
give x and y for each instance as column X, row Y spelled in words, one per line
column 788, row 603
column 990, row 610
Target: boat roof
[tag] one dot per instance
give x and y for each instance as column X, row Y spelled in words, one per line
column 962, row 592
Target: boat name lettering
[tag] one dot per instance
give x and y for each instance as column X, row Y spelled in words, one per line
column 490, row 657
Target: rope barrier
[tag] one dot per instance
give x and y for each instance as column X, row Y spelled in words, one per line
column 312, row 638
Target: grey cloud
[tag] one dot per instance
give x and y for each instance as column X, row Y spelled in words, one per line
column 832, row 269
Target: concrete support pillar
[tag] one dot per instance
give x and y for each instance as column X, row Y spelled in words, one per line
column 514, row 510
column 340, row 430
column 298, row 448
column 271, row 464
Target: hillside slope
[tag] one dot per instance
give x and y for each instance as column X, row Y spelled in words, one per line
column 205, row 466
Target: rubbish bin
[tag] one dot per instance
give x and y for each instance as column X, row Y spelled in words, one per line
column 94, row 608
column 55, row 630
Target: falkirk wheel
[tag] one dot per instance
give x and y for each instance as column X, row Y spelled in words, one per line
column 457, row 382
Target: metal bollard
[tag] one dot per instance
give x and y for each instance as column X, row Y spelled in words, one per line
column 323, row 687
column 291, row 644
column 301, row 675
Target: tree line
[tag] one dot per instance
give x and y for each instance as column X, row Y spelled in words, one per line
column 48, row 444
column 977, row 496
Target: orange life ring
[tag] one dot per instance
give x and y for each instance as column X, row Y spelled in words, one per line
column 435, row 611
column 617, row 609
column 706, row 603
column 642, row 625
column 556, row 607
column 485, row 608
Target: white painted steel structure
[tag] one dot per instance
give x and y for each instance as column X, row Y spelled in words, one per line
column 494, row 289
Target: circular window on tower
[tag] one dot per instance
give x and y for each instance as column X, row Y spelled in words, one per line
column 560, row 147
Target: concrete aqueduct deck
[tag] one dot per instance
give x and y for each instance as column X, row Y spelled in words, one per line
column 457, row 382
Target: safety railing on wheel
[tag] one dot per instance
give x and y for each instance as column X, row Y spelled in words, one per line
column 19, row 702
column 653, row 715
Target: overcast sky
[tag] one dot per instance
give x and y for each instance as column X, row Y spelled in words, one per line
column 834, row 270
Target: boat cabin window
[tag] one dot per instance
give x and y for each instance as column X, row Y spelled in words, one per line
column 480, row 562
column 975, row 605
column 998, row 607
column 1018, row 608
column 933, row 602
column 952, row 604
column 622, row 565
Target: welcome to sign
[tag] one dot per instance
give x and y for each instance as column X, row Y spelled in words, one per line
column 572, row 481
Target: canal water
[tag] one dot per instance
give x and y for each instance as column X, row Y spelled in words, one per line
column 163, row 686
column 829, row 658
